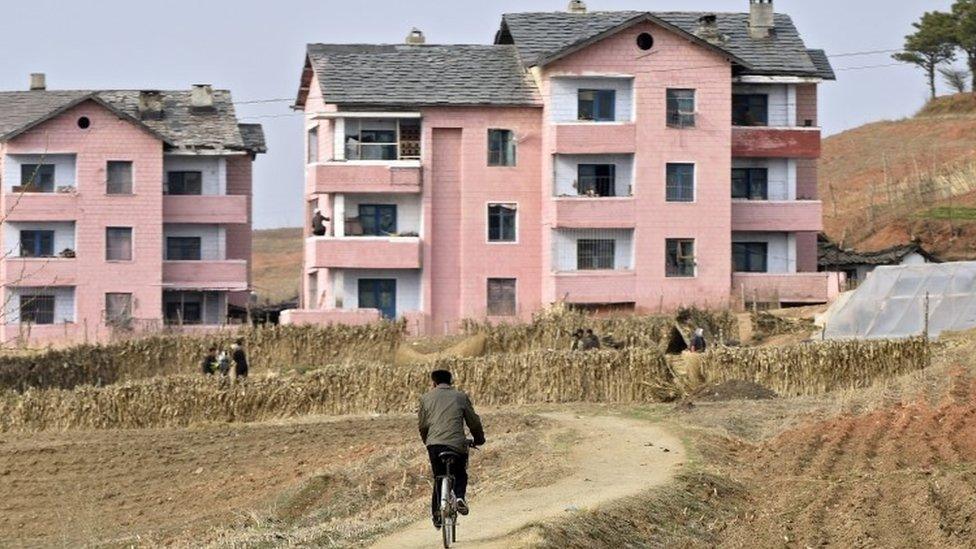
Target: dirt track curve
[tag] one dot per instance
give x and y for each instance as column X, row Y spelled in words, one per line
column 615, row 457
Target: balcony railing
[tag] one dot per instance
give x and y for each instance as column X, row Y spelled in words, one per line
column 223, row 275
column 345, row 177
column 205, row 209
column 58, row 206
column 775, row 142
column 363, row 252
column 591, row 138
column 777, row 216
column 596, row 286
column 595, row 212
column 39, row 271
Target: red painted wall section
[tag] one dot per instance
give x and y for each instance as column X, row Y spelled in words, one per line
column 239, row 182
column 806, row 105
column 775, row 143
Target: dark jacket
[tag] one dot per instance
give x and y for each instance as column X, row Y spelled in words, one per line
column 240, row 361
column 441, row 418
column 207, row 364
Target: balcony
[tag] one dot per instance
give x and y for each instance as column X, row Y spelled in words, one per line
column 782, row 288
column 219, row 209
column 770, row 142
column 58, row 206
column 363, row 252
column 596, row 138
column 226, row 275
column 596, row 286
column 777, row 216
column 595, row 213
column 353, row 177
column 39, row 271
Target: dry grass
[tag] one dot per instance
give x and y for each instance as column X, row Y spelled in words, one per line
column 276, row 261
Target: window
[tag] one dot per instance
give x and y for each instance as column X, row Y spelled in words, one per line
column 645, row 41
column 313, row 145
column 118, row 309
column 595, row 254
column 501, row 223
column 37, row 178
column 37, row 309
column 119, row 177
column 84, row 122
column 501, row 148
column 749, row 257
column 371, row 139
column 378, row 293
column 118, row 243
column 378, row 219
column 184, row 183
column 183, row 307
column 750, row 109
column 680, row 258
column 750, row 183
column 596, row 179
column 681, row 183
column 501, row 296
column 36, row 243
column 681, row 108
column 183, row 248
column 596, row 105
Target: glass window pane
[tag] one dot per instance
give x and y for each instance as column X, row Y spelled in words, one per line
column 37, row 309
column 501, row 297
column 680, row 183
column 118, row 243
column 595, row 254
column 37, row 177
column 502, row 223
column 119, row 177
column 183, row 248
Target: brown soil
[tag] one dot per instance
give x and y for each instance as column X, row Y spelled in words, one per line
column 733, row 390
column 277, row 264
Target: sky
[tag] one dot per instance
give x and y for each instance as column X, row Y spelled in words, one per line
column 256, row 48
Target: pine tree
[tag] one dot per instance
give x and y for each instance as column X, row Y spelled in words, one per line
column 933, row 43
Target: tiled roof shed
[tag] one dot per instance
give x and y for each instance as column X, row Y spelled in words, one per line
column 540, row 36
column 419, row 75
column 180, row 126
column 831, row 256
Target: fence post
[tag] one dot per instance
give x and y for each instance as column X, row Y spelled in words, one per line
column 925, row 333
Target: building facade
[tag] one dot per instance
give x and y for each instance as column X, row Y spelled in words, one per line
column 610, row 160
column 124, row 211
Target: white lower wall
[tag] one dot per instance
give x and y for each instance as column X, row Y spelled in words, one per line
column 564, row 247
column 64, row 303
column 64, row 168
column 214, row 310
column 781, row 174
column 408, row 208
column 566, row 171
column 565, row 96
column 782, row 101
column 213, row 171
column 408, row 294
column 64, row 235
column 213, row 239
column 781, row 249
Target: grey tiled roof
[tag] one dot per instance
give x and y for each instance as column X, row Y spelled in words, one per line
column 541, row 35
column 253, row 135
column 820, row 60
column 179, row 126
column 359, row 74
column 832, row 256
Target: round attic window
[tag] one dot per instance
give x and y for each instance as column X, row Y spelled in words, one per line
column 645, row 41
column 84, row 123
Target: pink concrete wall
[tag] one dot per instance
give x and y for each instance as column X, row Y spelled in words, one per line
column 806, row 104
column 792, row 215
column 795, row 288
column 363, row 252
column 228, row 210
column 806, row 251
column 676, row 63
column 807, row 173
column 353, row 178
column 239, row 183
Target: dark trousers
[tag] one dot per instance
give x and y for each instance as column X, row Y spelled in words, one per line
column 459, row 469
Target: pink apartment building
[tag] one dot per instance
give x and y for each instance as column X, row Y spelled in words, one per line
column 123, row 211
column 626, row 160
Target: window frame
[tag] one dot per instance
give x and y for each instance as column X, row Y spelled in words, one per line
column 609, row 96
column 125, row 317
column 181, row 306
column 108, row 179
column 676, row 118
column 749, row 255
column 377, row 216
column 611, row 179
column 501, row 309
column 503, row 153
column 182, row 175
column 668, row 186
column 736, row 108
column 33, row 300
column 750, row 184
column 131, row 247
column 515, row 223
column 38, row 236
column 595, row 263
column 179, row 243
column 312, row 145
column 27, row 172
column 680, row 268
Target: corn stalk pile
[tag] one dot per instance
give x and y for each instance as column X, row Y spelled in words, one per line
column 816, row 368
column 268, row 347
column 636, row 375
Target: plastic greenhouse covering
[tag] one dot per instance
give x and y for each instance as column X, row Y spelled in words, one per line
column 891, row 302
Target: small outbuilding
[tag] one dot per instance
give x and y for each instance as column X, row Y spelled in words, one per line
column 856, row 265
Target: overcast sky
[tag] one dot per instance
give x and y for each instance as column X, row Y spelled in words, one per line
column 255, row 48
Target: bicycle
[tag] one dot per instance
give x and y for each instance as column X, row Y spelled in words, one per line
column 448, row 505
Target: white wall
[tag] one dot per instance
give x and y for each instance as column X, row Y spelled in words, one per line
column 566, row 171
column 65, row 171
column 781, row 175
column 64, row 303
column 408, row 295
column 565, row 99
column 408, row 208
column 214, row 305
column 564, row 247
column 781, row 249
column 212, row 168
column 64, row 234
column 213, row 239
column 782, row 101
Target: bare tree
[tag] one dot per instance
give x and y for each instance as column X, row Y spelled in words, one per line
column 956, row 79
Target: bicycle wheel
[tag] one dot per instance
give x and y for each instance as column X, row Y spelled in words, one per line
column 447, row 512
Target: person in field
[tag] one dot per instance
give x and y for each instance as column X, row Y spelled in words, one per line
column 223, row 362
column 240, row 358
column 590, row 341
column 698, row 341
column 442, row 415
column 208, row 365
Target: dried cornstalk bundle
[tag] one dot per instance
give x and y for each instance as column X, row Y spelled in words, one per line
column 630, row 376
column 816, row 368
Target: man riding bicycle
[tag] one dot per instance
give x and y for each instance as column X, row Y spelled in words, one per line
column 442, row 415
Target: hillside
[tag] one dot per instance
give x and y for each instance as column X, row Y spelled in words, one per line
column 889, row 182
column 277, row 264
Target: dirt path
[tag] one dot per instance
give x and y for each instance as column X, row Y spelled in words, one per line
column 616, row 457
